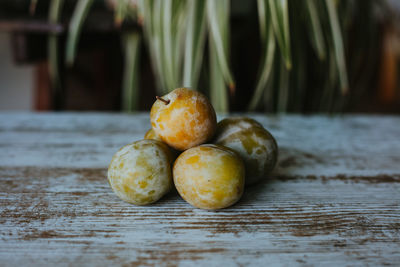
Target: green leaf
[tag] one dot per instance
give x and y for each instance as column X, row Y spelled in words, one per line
column 218, row 92
column 78, row 17
column 280, row 22
column 262, row 18
column 172, row 34
column 122, row 11
column 130, row 83
column 167, row 44
column 265, row 75
column 55, row 10
column 52, row 48
column 194, row 42
column 164, row 32
column 218, row 21
column 145, row 8
column 151, row 19
column 269, row 45
column 338, row 45
column 317, row 37
column 156, row 40
column 179, row 29
column 271, row 87
column 283, row 95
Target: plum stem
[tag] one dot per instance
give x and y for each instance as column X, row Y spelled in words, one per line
column 166, row 102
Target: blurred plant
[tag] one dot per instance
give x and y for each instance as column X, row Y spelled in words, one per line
column 127, row 10
column 75, row 26
column 178, row 32
column 194, row 42
column 130, row 81
column 274, row 22
column 124, row 9
column 53, row 49
column 274, row 29
column 32, row 7
column 218, row 20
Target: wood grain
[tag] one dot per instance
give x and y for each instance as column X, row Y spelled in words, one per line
column 334, row 198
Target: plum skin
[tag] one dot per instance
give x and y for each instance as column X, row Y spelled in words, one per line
column 209, row 176
column 255, row 145
column 183, row 119
column 140, row 173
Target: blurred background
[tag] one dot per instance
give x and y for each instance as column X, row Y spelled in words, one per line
column 314, row 56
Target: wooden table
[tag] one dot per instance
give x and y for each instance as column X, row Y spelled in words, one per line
column 334, row 198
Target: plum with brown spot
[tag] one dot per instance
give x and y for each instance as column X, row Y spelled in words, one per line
column 183, row 118
column 255, row 145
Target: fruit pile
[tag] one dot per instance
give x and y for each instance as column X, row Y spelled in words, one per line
column 208, row 176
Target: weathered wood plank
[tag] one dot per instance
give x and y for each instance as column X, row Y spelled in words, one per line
column 352, row 145
column 334, row 199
